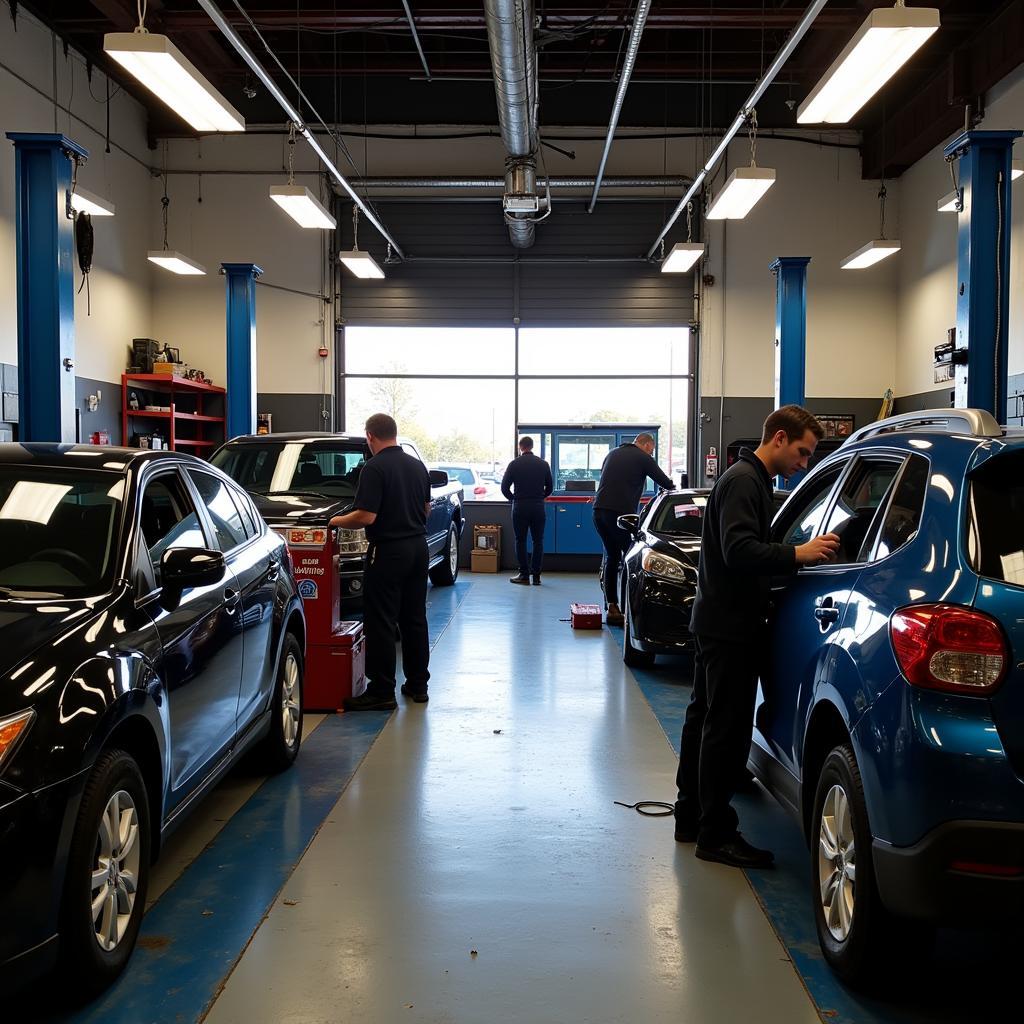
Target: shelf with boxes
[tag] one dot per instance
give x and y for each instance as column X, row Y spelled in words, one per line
column 166, row 411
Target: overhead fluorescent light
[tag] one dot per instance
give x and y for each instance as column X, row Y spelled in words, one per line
column 175, row 262
column 1016, row 169
column 84, row 201
column 870, row 254
column 744, row 188
column 950, row 203
column 886, row 40
column 163, row 69
column 682, row 257
column 361, row 263
column 302, row 206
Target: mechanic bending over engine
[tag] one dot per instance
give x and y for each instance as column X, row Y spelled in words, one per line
column 729, row 624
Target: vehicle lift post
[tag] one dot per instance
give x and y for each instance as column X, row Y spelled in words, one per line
column 790, row 333
column 241, row 347
column 46, row 285
column 983, row 269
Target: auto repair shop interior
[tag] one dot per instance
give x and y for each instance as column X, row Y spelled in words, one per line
column 583, row 222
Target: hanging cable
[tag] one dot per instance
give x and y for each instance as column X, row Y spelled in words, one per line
column 882, row 193
column 355, row 228
column 689, row 223
column 999, row 298
column 752, row 135
column 141, row 7
column 291, row 152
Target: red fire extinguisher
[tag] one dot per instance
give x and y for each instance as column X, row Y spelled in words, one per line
column 711, row 464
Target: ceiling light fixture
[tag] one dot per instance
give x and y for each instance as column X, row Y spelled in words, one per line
column 950, row 203
column 746, row 185
column 357, row 260
column 84, row 201
column 886, row 40
column 1016, row 169
column 684, row 255
column 168, row 258
column 163, row 69
column 877, row 249
column 296, row 200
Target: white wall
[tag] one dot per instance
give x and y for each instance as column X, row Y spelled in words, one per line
column 120, row 280
column 926, row 300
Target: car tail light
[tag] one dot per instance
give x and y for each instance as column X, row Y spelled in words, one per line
column 945, row 647
column 12, row 731
column 352, row 542
column 479, row 489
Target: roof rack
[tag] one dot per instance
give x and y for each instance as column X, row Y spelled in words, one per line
column 976, row 422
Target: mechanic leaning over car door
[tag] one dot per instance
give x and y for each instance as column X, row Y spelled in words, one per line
column 623, row 474
column 526, row 483
column 392, row 503
column 729, row 624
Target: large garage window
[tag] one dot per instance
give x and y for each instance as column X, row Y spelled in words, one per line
column 459, row 393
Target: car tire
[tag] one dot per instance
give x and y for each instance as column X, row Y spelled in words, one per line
column 446, row 572
column 631, row 657
column 100, row 922
column 281, row 745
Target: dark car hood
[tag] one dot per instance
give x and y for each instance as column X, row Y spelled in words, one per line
column 299, row 509
column 686, row 547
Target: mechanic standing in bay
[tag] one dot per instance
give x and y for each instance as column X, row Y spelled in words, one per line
column 392, row 502
column 623, row 474
column 526, row 483
column 730, row 625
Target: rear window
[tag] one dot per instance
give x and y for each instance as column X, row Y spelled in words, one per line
column 996, row 534
column 458, row 473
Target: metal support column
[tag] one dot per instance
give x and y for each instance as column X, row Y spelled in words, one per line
column 46, row 286
column 983, row 269
column 241, row 347
column 790, row 334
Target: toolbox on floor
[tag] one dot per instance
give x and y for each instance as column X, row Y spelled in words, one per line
column 585, row 616
column 336, row 669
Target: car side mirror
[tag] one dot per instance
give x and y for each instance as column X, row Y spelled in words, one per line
column 191, row 567
column 438, row 478
column 629, row 523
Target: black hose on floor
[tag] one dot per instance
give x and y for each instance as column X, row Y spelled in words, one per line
column 641, row 807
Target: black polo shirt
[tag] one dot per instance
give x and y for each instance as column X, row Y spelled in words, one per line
column 396, row 487
column 623, row 474
column 527, row 478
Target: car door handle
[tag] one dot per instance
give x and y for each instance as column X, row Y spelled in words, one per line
column 827, row 615
column 231, row 601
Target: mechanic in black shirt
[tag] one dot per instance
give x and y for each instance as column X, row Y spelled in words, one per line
column 623, row 474
column 392, row 503
column 729, row 624
column 526, row 483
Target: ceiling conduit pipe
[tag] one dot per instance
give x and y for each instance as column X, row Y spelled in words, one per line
column 514, row 65
column 643, row 8
column 651, row 181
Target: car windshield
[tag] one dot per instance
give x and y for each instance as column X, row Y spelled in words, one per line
column 679, row 515
column 58, row 531
column 996, row 537
column 459, row 474
column 326, row 468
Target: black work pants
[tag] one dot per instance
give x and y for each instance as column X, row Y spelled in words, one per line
column 395, row 597
column 528, row 520
column 615, row 541
column 716, row 734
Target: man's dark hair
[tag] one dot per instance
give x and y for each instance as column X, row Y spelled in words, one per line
column 382, row 426
column 526, row 443
column 795, row 420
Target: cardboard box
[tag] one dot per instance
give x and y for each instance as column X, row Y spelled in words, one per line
column 487, row 537
column 484, row 561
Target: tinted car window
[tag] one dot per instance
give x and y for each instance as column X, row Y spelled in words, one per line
column 802, row 522
column 224, row 514
column 679, row 515
column 250, row 517
column 458, row 473
column 903, row 517
column 997, row 519
column 168, row 519
column 330, row 468
column 862, row 493
column 58, row 530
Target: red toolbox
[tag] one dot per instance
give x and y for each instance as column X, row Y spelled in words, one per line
column 337, row 669
column 585, row 616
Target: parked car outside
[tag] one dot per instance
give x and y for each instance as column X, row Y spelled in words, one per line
column 890, row 715
column 475, row 487
column 152, row 634
column 300, row 481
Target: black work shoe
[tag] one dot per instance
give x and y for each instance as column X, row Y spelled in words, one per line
column 536, row 579
column 521, row 579
column 737, row 853
column 419, row 696
column 686, row 831
column 371, row 702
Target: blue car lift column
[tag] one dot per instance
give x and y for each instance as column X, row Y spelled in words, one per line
column 790, row 332
column 46, row 286
column 241, row 347
column 983, row 269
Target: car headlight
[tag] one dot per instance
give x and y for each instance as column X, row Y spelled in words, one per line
column 662, row 565
column 12, row 732
column 352, row 542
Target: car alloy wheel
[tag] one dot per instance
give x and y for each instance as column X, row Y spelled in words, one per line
column 453, row 553
column 290, row 696
column 837, row 863
column 115, row 870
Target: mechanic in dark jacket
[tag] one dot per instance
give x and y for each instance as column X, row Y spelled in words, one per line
column 526, row 483
column 392, row 503
column 729, row 623
column 623, row 475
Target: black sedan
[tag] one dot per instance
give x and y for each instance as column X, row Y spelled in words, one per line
column 150, row 634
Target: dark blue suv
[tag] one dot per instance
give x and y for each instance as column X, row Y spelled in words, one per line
column 890, row 715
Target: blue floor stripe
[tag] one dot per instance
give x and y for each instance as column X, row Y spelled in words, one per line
column 971, row 977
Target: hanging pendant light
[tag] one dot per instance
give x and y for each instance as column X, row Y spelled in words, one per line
column 296, row 200
column 357, row 260
column 683, row 255
column 170, row 259
column 746, row 185
column 878, row 248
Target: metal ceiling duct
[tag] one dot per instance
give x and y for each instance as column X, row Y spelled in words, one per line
column 514, row 65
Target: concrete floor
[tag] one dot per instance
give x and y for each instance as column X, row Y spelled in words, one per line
column 477, row 869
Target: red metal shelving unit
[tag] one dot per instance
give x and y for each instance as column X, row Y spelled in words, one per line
column 165, row 384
